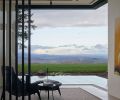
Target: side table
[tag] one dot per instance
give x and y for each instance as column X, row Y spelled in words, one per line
column 50, row 85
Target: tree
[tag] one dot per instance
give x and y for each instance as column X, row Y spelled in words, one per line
column 25, row 26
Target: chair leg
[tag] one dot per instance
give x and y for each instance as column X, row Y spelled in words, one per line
column 59, row 91
column 40, row 91
column 39, row 95
column 1, row 96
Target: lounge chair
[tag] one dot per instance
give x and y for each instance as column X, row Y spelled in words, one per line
column 18, row 89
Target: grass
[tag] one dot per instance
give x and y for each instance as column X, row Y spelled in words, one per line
column 67, row 68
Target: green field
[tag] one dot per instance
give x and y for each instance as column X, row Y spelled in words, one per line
column 67, row 68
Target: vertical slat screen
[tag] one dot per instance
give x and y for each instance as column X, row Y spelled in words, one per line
column 23, row 43
column 10, row 4
column 23, row 3
column 16, row 47
column 29, row 43
column 9, row 16
column 3, row 70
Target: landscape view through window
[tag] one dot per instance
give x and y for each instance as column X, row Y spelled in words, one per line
column 69, row 42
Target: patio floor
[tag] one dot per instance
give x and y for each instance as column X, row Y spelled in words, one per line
column 75, row 88
column 67, row 94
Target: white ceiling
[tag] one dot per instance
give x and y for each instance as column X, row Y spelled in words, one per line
column 64, row 2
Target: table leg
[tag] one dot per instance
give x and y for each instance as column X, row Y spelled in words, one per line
column 48, row 94
column 59, row 91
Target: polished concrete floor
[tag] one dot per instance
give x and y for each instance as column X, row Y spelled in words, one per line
column 74, row 88
column 67, row 94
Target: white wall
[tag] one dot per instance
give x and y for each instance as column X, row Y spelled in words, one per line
column 114, row 80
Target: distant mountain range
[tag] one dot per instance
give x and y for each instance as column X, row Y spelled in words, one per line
column 85, row 58
column 67, row 54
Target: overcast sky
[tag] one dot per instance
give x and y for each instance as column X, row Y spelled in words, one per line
column 57, row 28
column 71, row 18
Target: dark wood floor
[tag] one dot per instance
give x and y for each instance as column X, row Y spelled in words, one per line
column 67, row 94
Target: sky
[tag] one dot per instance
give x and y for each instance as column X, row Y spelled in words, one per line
column 70, row 31
column 58, row 36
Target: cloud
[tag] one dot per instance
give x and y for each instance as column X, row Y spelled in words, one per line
column 72, row 50
column 39, row 51
column 71, row 45
column 70, row 18
column 99, row 46
column 34, row 47
column 58, row 51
